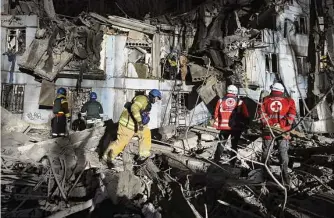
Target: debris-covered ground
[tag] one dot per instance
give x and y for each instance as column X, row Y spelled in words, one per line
column 44, row 177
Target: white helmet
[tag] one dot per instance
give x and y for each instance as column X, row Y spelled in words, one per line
column 277, row 87
column 232, row 89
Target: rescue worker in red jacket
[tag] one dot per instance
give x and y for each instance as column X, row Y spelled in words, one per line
column 231, row 117
column 277, row 111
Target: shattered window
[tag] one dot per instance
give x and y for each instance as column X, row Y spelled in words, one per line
column 12, row 97
column 302, row 109
column 16, row 40
column 301, row 25
column 271, row 63
column 301, row 65
column 274, row 63
column 267, row 63
column 285, row 28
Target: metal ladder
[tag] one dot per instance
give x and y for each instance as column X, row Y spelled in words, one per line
column 178, row 111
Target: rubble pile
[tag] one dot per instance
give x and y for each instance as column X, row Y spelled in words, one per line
column 64, row 177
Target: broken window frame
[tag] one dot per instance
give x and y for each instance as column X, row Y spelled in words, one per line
column 271, row 63
column 285, row 30
column 301, row 29
column 18, row 48
column 301, row 65
column 302, row 108
column 12, row 97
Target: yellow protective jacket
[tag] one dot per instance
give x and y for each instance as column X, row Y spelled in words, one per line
column 132, row 115
column 60, row 105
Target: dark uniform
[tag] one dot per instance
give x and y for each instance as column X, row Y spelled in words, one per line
column 61, row 114
column 78, row 124
column 93, row 109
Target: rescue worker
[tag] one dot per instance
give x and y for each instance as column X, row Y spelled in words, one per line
column 231, row 118
column 61, row 114
column 78, row 124
column 92, row 109
column 133, row 121
column 277, row 111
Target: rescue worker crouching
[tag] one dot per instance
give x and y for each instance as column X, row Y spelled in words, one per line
column 61, row 114
column 92, row 109
column 231, row 118
column 78, row 124
column 277, row 111
column 133, row 121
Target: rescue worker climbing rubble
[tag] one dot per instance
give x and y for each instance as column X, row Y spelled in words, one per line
column 61, row 114
column 133, row 121
column 92, row 110
column 277, row 111
column 231, row 118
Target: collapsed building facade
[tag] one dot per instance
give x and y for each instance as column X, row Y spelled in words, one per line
column 123, row 57
column 191, row 58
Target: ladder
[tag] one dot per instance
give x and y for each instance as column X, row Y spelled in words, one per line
column 178, row 111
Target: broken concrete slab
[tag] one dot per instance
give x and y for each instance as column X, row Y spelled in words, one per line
column 207, row 137
column 167, row 132
column 59, row 61
column 122, row 186
column 85, row 140
column 11, row 122
column 14, row 139
column 33, row 54
column 199, row 73
column 207, row 91
column 252, row 150
column 130, row 24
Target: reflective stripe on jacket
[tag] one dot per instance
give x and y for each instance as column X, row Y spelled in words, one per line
column 61, row 105
column 93, row 109
column 132, row 115
column 277, row 109
column 224, row 109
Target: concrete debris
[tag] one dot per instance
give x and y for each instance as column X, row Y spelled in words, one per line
column 167, row 132
column 207, row 91
column 44, row 177
column 70, row 168
column 11, row 122
column 122, row 185
column 65, row 46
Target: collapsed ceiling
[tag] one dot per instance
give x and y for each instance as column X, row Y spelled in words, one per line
column 67, row 45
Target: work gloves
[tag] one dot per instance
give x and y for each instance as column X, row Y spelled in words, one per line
column 140, row 126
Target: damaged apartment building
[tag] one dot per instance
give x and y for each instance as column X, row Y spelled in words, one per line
column 189, row 57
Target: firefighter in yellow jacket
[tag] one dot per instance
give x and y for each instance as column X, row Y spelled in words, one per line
column 133, row 121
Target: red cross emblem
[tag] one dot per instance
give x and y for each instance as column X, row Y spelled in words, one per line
column 275, row 106
column 230, row 102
